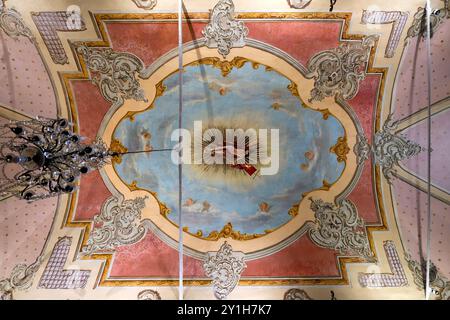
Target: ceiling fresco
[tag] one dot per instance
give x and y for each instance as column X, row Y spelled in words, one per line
column 343, row 210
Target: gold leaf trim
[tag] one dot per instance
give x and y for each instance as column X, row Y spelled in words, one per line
column 133, row 186
column 325, row 187
column 225, row 66
column 341, row 149
column 228, row 232
column 160, row 89
column 117, row 146
column 293, row 88
column 294, row 210
column 163, row 209
column 325, row 113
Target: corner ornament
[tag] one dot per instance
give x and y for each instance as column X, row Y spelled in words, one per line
column 114, row 73
column 339, row 71
column 118, row 224
column 299, row 294
column 340, row 228
column 225, row 268
column 223, row 31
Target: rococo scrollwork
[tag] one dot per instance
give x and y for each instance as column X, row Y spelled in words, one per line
column 225, row 66
column 297, row 294
column 149, row 295
column 340, row 228
column 21, row 279
column 299, row 4
column 341, row 149
column 339, row 71
column 228, row 232
column 390, row 148
column 439, row 284
column 224, row 267
column 145, row 4
column 223, row 31
column 419, row 25
column 12, row 24
column 115, row 74
column 118, row 224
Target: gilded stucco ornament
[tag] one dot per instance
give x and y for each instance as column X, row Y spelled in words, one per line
column 118, row 224
column 149, row 295
column 341, row 149
column 12, row 24
column 223, row 31
column 224, row 267
column 228, row 232
column 297, row 294
column 390, row 148
column 419, row 25
column 114, row 73
column 339, row 71
column 339, row 227
column 118, row 148
column 225, row 66
column 145, row 4
column 21, row 278
column 299, row 4
column 439, row 284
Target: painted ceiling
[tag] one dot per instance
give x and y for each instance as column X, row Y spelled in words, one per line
column 345, row 217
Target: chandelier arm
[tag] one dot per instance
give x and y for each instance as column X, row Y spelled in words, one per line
column 332, row 3
column 28, row 187
column 33, row 143
column 61, row 183
column 142, row 151
column 44, row 135
column 26, row 139
column 52, row 165
column 21, row 174
column 60, row 144
column 66, row 154
column 51, row 187
column 49, row 142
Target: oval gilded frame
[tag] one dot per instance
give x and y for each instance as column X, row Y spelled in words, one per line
column 284, row 235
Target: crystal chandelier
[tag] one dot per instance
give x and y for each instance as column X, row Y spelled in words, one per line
column 332, row 3
column 42, row 158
